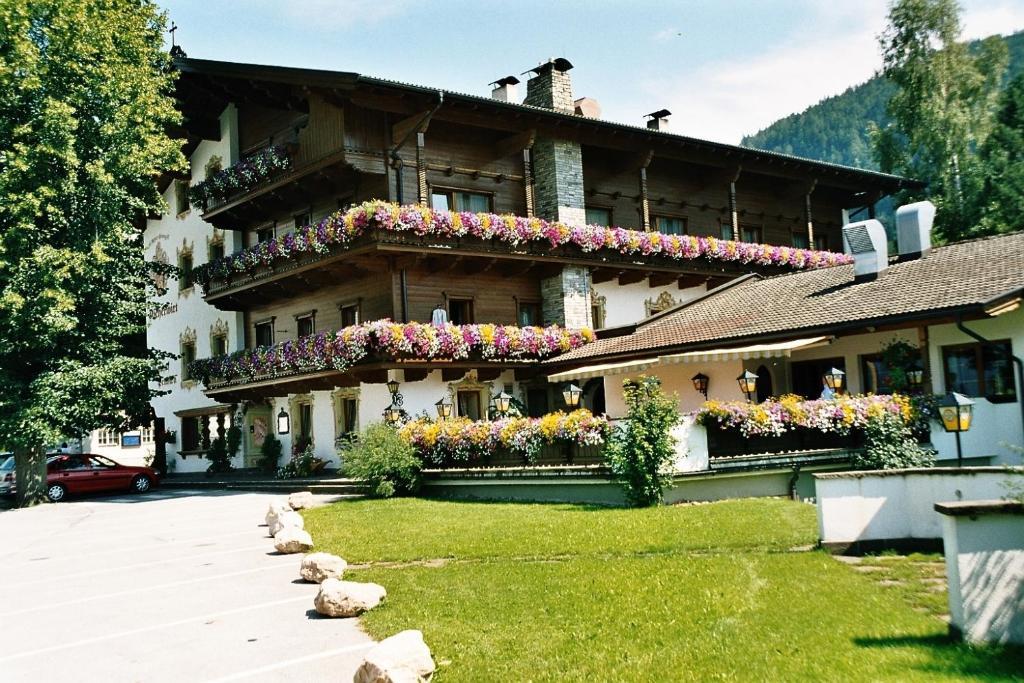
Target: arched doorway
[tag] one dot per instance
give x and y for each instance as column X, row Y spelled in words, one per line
column 593, row 396
column 765, row 388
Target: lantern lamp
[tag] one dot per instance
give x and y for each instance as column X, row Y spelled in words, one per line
column 956, row 411
column 572, row 395
column 392, row 414
column 700, row 383
column 392, row 386
column 748, row 383
column 284, row 423
column 834, row 379
column 502, row 403
column 444, row 409
column 915, row 377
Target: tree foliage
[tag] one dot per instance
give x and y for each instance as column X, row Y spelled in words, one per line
column 640, row 452
column 999, row 197
column 384, row 460
column 943, row 108
column 84, row 109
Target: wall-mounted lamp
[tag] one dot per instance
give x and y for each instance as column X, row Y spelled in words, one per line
column 572, row 395
column 748, row 384
column 444, row 409
column 284, row 423
column 700, row 383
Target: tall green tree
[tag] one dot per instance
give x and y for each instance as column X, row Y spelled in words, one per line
column 999, row 197
column 943, row 108
column 84, row 108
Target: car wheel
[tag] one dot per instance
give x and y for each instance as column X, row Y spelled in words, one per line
column 141, row 484
column 56, row 492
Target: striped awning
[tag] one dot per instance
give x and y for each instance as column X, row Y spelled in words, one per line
column 777, row 350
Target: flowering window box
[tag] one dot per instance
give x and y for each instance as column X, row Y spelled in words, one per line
column 240, row 178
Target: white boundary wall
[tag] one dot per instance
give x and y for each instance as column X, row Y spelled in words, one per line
column 897, row 504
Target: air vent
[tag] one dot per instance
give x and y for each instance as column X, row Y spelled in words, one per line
column 914, row 229
column 867, row 242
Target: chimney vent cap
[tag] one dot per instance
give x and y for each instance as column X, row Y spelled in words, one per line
column 914, row 229
column 660, row 114
column 560, row 64
column 507, row 80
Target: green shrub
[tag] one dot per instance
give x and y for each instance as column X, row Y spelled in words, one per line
column 300, row 466
column 639, row 453
column 270, row 453
column 220, row 461
column 889, row 444
column 383, row 459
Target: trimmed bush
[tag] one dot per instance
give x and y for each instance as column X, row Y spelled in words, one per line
column 890, row 444
column 381, row 457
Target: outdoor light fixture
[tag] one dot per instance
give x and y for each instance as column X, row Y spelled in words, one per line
column 572, row 395
column 392, row 386
column 700, row 383
column 915, row 377
column 956, row 411
column 444, row 409
column 284, row 423
column 834, row 379
column 392, row 414
column 502, row 402
column 748, row 383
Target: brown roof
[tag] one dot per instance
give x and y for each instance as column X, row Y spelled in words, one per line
column 950, row 279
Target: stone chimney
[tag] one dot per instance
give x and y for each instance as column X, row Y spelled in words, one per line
column 551, row 87
column 867, row 242
column 658, row 120
column 505, row 89
column 914, row 229
column 588, row 107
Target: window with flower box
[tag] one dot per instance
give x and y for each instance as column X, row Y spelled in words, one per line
column 468, row 404
column 349, row 314
column 598, row 215
column 529, row 313
column 264, row 332
column 460, row 311
column 670, row 225
column 450, row 199
column 799, row 239
column 305, row 324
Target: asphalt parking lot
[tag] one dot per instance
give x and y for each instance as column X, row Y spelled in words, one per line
column 168, row 586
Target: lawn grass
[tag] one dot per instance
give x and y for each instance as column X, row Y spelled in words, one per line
column 710, row 592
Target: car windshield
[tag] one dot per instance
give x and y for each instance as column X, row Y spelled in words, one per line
column 7, row 464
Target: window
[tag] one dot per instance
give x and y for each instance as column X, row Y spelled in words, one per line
column 460, row 311
column 216, row 251
column 181, row 204
column 190, row 434
column 459, row 200
column 219, row 345
column 597, row 309
column 669, row 225
column 725, row 231
column 188, row 354
column 185, row 271
column 808, row 375
column 799, row 239
column 596, row 215
column 302, row 219
column 750, row 233
column 264, row 333
column 529, row 313
column 874, row 374
column 148, row 435
column 537, row 402
column 348, row 415
column 303, row 427
column 349, row 314
column 980, row 370
column 306, row 323
column 106, row 437
column 469, row 404
column 821, row 242
column 265, row 234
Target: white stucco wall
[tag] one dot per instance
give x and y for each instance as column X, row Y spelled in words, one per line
column 985, row 574
column 996, row 426
column 625, row 304
column 131, row 455
column 188, row 309
column 677, row 379
column 850, row 349
column 897, row 504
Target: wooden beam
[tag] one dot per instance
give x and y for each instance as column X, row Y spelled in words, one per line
column 662, row 279
column 488, row 374
column 687, row 281
column 599, row 275
column 628, row 277
column 478, row 266
column 417, row 123
column 717, row 281
column 415, row 375
column 514, row 144
column 452, row 374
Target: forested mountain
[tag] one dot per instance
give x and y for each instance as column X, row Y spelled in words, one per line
column 836, row 129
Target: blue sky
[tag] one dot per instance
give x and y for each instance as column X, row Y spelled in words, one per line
column 723, row 68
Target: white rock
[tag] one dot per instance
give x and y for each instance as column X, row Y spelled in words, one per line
column 292, row 540
column 402, row 658
column 301, row 500
column 320, row 566
column 285, row 520
column 276, row 508
column 347, row 598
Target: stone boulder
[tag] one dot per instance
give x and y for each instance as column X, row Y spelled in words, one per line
column 285, row 520
column 402, row 658
column 276, row 508
column 318, row 567
column 293, row 540
column 347, row 598
column 301, row 500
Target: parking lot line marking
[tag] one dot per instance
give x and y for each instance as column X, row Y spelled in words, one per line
column 146, row 629
column 144, row 589
column 291, row 662
column 135, row 566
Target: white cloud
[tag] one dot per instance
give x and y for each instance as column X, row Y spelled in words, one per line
column 727, row 99
column 667, row 33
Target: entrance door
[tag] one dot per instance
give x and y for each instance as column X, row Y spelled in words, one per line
column 257, row 428
column 765, row 388
column 808, row 375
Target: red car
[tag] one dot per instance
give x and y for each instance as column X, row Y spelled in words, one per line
column 88, row 473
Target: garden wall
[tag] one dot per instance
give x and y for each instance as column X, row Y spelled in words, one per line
column 861, row 510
